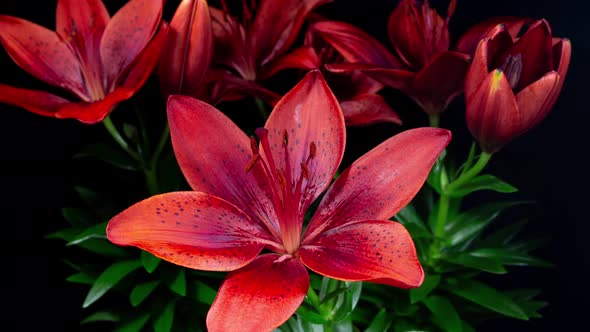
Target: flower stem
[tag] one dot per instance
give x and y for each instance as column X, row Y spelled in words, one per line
column 482, row 161
column 434, row 120
column 108, row 123
column 161, row 143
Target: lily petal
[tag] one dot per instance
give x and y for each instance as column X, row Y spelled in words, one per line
column 355, row 45
column 534, row 100
column 36, row 101
column 308, row 114
column 127, row 34
column 41, row 53
column 381, row 182
column 190, row 44
column 367, row 109
column 191, row 229
column 81, row 25
column 468, row 41
column 273, row 34
column 562, row 51
column 442, row 79
column 491, row 112
column 213, row 154
column 96, row 111
column 304, row 58
column 225, row 86
column 260, row 296
column 370, row 250
column 395, row 78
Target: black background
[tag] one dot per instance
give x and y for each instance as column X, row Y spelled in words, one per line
column 548, row 164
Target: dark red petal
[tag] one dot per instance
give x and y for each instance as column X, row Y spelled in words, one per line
column 36, row 101
column 562, row 51
column 370, row 250
column 304, row 58
column 41, row 53
column 260, row 296
column 491, row 112
column 273, row 33
column 355, row 45
column 381, row 182
column 534, row 101
column 213, row 153
column 127, row 34
column 535, row 47
column 96, row 111
column 309, row 114
column 81, row 25
column 189, row 49
column 467, row 43
column 225, row 86
column 440, row 81
column 191, row 229
column 367, row 109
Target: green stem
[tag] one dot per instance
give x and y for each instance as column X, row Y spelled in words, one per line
column 151, row 181
column 161, row 143
column 108, row 123
column 434, row 120
column 482, row 161
column 443, row 212
column 261, row 106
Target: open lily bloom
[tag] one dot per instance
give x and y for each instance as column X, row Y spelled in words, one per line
column 421, row 66
column 244, row 49
column 99, row 60
column 252, row 196
column 357, row 92
column 513, row 83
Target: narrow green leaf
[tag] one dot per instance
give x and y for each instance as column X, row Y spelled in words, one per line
column 204, row 293
column 81, row 278
column 434, row 179
column 141, row 291
column 134, row 325
column 108, row 154
column 444, row 314
column 108, row 279
column 101, row 316
column 429, row 284
column 355, row 288
column 482, row 182
column 77, row 217
column 310, row 315
column 510, row 257
column 66, row 234
column 486, row 264
column 163, row 321
column 149, row 261
column 178, row 284
column 380, row 323
column 503, row 235
column 485, row 296
column 94, row 232
column 469, row 224
column 469, row 161
column 413, row 222
column 103, row 247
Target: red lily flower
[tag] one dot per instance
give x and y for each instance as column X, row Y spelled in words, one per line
column 512, row 84
column 468, row 41
column 100, row 60
column 357, row 93
column 251, row 196
column 422, row 67
column 189, row 48
column 244, row 49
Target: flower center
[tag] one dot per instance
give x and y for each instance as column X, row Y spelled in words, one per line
column 512, row 68
column 287, row 191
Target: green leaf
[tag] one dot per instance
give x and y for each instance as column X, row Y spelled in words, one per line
column 170, row 176
column 503, row 235
column 94, row 232
column 104, row 248
column 204, row 293
column 108, row 154
column 435, row 177
column 355, row 288
column 469, row 161
column 178, row 283
column 134, row 325
column 482, row 182
column 310, row 315
column 412, row 221
column 429, row 284
column 149, row 261
column 101, row 316
column 81, row 278
column 142, row 291
column 486, row 264
column 66, row 234
column 469, row 224
column 163, row 321
column 510, row 257
column 524, row 298
column 444, row 314
column 77, row 217
column 485, row 296
column 380, row 323
column 108, row 279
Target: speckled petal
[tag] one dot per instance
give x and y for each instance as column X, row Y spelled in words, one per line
column 381, row 182
column 309, row 113
column 127, row 34
column 260, row 296
column 371, row 250
column 191, row 229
